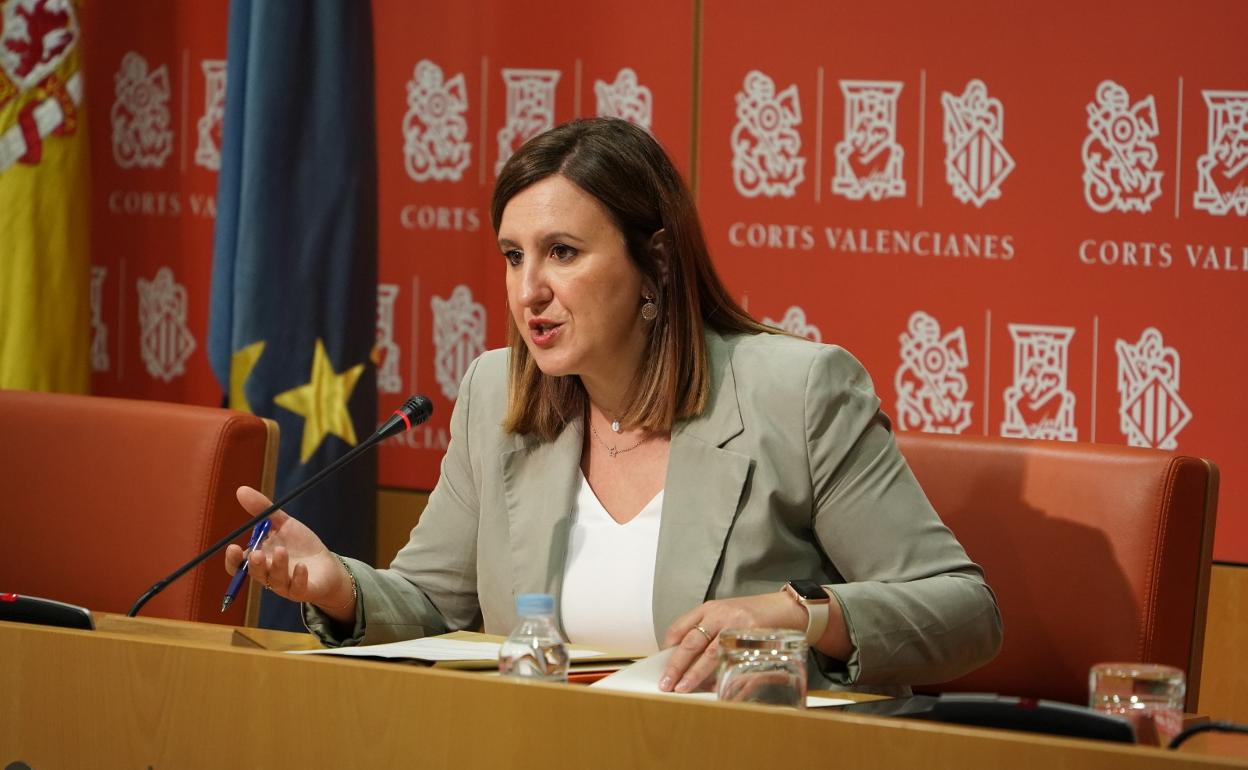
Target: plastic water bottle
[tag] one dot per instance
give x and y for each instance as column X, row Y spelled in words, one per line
column 535, row 650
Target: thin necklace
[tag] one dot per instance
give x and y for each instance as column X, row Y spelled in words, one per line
column 613, row 451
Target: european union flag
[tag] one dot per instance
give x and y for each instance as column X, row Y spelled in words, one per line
column 294, row 279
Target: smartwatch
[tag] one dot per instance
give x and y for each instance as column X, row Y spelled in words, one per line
column 815, row 599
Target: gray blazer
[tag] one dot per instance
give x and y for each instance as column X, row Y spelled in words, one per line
column 791, row 472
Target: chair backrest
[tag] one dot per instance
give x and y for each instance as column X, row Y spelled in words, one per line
column 102, row 497
column 1096, row 553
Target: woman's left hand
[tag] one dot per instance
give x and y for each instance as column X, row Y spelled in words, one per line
column 696, row 634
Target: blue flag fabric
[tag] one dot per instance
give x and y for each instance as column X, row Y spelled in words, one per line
column 294, row 279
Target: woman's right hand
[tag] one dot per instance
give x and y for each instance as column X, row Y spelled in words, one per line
column 293, row 562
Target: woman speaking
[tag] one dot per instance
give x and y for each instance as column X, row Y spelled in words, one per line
column 663, row 464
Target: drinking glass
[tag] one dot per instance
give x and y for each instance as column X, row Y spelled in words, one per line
column 1149, row 695
column 763, row 665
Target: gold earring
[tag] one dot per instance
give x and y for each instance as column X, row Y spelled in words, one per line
column 649, row 311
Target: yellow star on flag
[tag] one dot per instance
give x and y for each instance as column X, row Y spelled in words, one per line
column 241, row 364
column 322, row 402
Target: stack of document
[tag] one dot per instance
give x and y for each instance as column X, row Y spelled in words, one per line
column 468, row 650
column 604, row 670
column 643, row 677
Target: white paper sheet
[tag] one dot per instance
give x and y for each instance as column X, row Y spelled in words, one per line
column 643, row 676
column 432, row 649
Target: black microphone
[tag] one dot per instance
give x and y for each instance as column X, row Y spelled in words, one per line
column 413, row 412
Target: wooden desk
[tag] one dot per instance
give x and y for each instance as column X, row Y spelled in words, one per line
column 211, row 634
column 125, row 696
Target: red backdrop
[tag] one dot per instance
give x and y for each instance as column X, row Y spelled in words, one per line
column 997, row 204
column 458, row 88
column 153, row 205
column 1023, row 220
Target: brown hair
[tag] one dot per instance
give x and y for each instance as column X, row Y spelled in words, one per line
column 628, row 172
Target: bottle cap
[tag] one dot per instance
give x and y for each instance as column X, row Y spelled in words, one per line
column 535, row 604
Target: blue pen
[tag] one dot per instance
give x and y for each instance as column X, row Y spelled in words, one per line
column 257, row 536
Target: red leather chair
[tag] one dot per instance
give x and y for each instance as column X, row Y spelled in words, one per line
column 1095, row 552
column 102, row 497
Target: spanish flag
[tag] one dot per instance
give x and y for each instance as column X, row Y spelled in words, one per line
column 44, row 268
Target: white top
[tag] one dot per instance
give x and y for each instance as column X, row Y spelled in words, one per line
column 608, row 580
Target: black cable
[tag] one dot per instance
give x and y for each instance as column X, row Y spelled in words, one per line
column 1204, row 727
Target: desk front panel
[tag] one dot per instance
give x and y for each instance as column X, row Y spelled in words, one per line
column 103, row 699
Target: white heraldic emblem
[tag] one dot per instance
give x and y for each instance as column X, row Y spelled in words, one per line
column 1038, row 404
column 386, row 350
column 625, row 98
column 868, row 158
column 435, row 132
column 530, row 109
column 1150, row 411
column 141, row 132
column 99, row 330
column 1222, row 171
column 794, row 322
column 931, row 381
column 458, row 337
column 765, row 142
column 976, row 161
column 165, row 342
column 208, row 149
column 1119, row 155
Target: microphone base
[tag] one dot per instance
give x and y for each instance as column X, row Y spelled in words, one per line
column 16, row 608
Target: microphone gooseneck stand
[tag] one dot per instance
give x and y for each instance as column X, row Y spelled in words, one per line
column 414, row 411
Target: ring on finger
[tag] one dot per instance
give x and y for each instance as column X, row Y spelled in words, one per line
column 709, row 636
